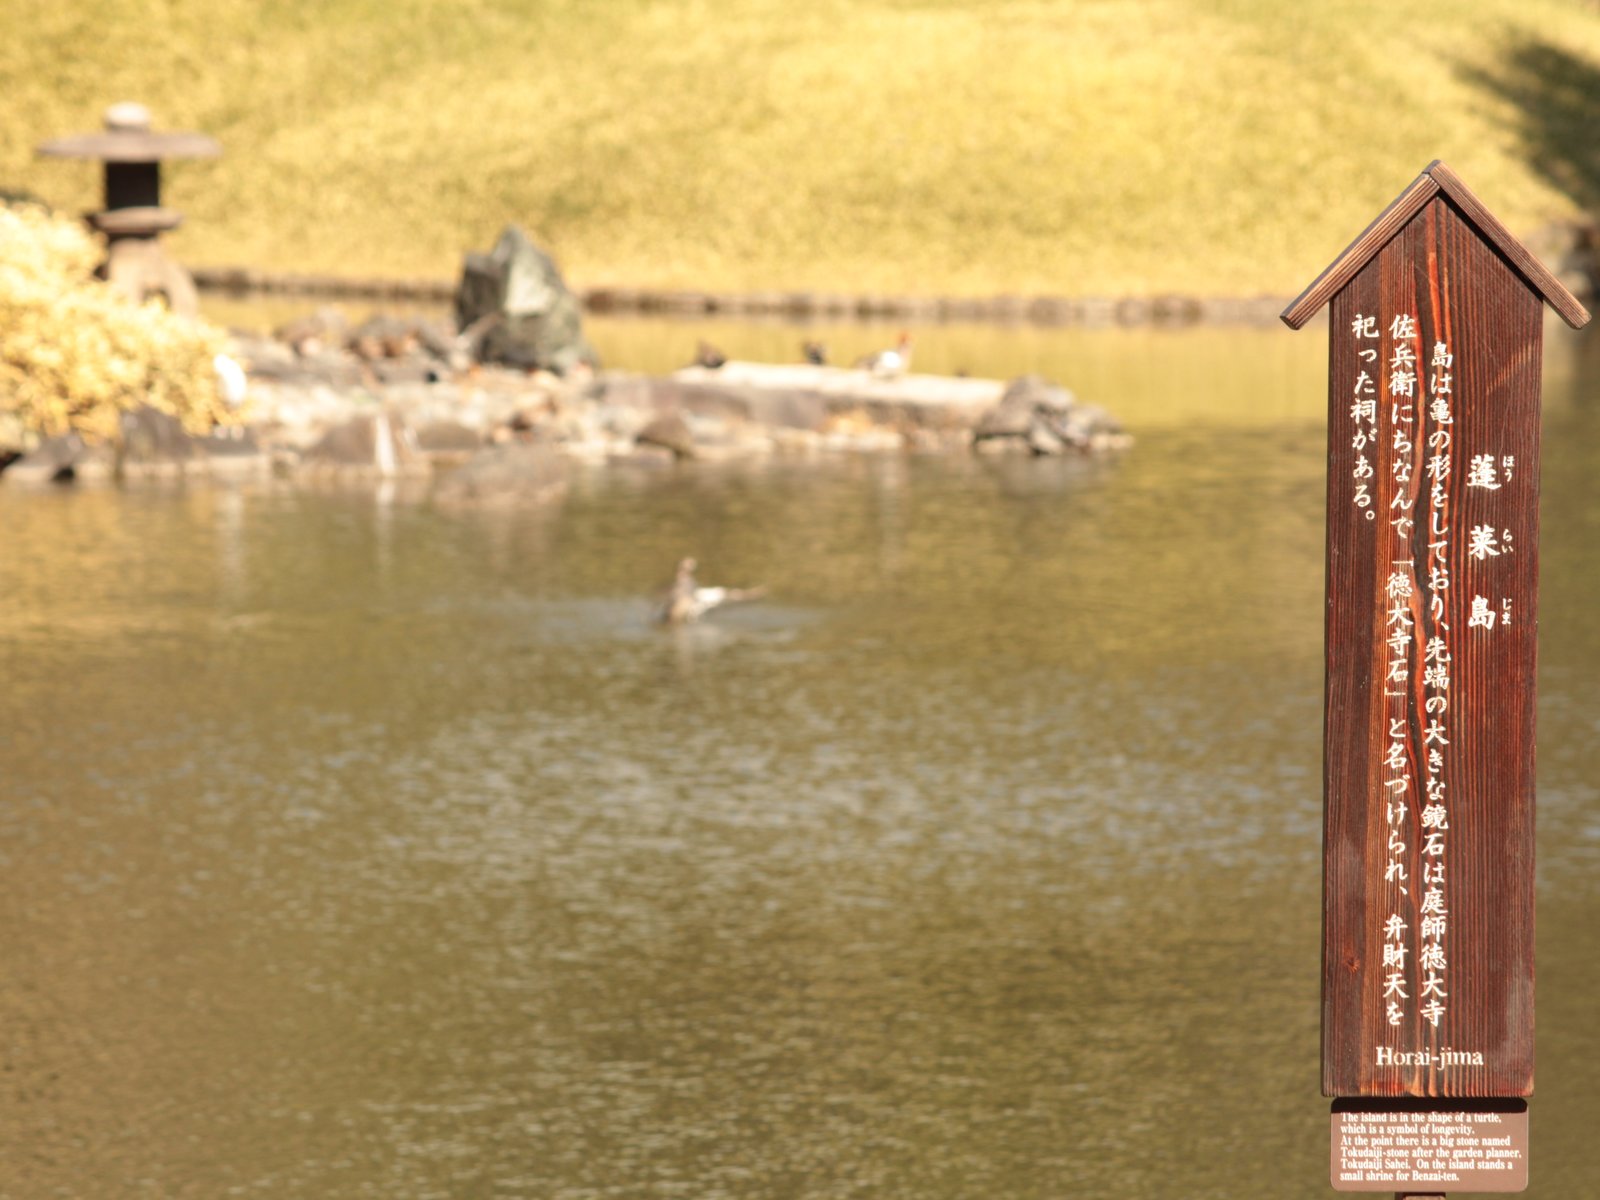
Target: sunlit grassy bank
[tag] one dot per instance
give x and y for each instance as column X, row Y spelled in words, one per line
column 1113, row 146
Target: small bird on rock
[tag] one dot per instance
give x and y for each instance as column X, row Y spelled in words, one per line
column 707, row 355
column 815, row 353
column 893, row 361
column 687, row 601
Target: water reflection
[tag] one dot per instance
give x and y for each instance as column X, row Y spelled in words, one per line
column 352, row 847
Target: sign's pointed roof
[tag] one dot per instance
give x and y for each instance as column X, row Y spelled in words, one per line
column 1436, row 179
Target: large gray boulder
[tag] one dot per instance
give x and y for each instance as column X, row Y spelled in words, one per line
column 1043, row 418
column 514, row 307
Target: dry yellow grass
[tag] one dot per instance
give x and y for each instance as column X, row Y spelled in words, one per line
column 1092, row 146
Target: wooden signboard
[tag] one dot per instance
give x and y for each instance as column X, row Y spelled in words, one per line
column 1434, row 344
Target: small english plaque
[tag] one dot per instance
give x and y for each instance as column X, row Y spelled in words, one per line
column 1390, row 1146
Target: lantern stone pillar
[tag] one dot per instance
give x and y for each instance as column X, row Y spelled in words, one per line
column 134, row 218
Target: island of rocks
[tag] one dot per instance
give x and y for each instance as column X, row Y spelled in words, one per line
column 502, row 403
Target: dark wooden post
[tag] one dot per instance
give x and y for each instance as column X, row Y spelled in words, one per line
column 1434, row 349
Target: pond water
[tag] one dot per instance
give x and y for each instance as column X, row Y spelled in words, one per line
column 352, row 848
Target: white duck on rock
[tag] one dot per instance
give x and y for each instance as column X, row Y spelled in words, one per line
column 894, row 361
column 687, row 601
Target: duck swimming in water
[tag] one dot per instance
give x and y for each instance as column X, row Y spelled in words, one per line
column 687, row 601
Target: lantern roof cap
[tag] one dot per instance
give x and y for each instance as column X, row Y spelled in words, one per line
column 129, row 138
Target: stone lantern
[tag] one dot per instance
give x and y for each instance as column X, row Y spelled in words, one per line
column 134, row 219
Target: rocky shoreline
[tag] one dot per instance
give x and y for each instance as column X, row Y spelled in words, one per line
column 395, row 399
column 499, row 400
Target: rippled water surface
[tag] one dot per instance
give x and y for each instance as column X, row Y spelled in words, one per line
column 353, row 848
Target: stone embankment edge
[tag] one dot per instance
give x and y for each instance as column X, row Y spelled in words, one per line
column 1086, row 311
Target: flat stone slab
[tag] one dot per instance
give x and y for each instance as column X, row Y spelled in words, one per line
column 928, row 400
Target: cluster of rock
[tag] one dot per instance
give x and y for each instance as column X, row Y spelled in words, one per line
column 351, row 416
column 495, row 406
column 152, row 443
column 512, row 309
column 502, row 431
column 1042, row 417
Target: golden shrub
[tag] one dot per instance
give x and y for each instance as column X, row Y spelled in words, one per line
column 74, row 353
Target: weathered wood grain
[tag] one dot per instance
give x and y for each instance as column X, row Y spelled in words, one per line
column 1436, row 178
column 1438, row 266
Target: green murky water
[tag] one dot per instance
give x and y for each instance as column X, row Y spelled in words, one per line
column 350, row 848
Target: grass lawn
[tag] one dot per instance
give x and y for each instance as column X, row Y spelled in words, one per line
column 921, row 146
